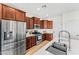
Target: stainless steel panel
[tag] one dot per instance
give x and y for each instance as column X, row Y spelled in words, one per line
column 3, row 28
column 10, row 52
column 13, row 30
column 19, row 30
column 13, row 37
column 8, row 31
column 24, row 34
column 21, row 50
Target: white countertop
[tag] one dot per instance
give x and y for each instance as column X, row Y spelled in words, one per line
column 28, row 35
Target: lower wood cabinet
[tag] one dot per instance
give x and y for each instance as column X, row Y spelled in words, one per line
column 30, row 42
column 43, row 37
column 47, row 36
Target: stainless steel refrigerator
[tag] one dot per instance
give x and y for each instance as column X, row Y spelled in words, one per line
column 12, row 37
column 21, row 36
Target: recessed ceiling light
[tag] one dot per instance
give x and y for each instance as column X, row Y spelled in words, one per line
column 47, row 15
column 44, row 6
column 38, row 9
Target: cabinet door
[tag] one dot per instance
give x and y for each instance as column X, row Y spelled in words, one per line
column 34, row 40
column 36, row 20
column 20, row 16
column 41, row 24
column 30, row 24
column 43, row 37
column 49, row 37
column 0, row 11
column 45, row 24
column 8, row 13
column 28, row 43
column 50, row 24
column 5, row 11
column 27, row 22
column 11, row 13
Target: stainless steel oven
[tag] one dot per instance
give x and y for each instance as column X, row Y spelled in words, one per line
column 38, row 38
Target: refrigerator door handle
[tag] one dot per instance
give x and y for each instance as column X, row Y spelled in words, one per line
column 10, row 35
column 5, row 36
column 24, row 36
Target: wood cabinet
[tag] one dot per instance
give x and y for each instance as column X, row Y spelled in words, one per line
column 50, row 24
column 43, row 37
column 47, row 36
column 29, row 23
column 4, row 12
column 7, row 12
column 30, row 42
column 43, row 24
column 36, row 20
column 10, row 13
column 20, row 15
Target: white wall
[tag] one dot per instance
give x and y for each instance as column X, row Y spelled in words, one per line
column 57, row 25
column 71, row 23
column 67, row 21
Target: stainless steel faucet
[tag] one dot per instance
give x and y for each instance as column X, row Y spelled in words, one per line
column 68, row 38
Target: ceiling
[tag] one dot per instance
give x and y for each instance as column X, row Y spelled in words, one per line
column 45, row 10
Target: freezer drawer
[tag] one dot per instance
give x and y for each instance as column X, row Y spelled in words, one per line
column 10, row 45
column 9, row 52
column 21, row 50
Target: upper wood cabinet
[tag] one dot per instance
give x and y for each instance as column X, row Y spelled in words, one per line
column 9, row 13
column 29, row 23
column 43, row 24
column 36, row 20
column 50, row 24
column 20, row 15
column 4, row 12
